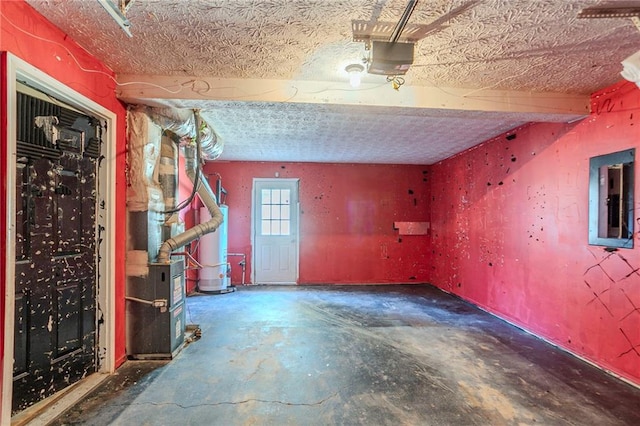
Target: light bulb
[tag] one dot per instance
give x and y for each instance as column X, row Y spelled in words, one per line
column 354, row 79
column 355, row 74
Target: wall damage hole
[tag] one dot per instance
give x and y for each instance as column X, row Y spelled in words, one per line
column 513, row 159
column 459, row 284
column 488, row 183
column 490, row 264
column 510, row 137
column 411, row 192
column 500, row 183
column 412, row 278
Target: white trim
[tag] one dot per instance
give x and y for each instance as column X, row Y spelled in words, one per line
column 253, row 231
column 9, row 202
column 253, row 228
column 547, row 340
column 47, row 410
column 17, row 69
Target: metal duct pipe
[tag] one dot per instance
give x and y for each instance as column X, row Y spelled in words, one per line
column 184, row 123
column 210, row 145
column 208, row 199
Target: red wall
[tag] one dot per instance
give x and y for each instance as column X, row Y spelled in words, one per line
column 29, row 36
column 346, row 220
column 509, row 217
column 509, row 223
column 190, row 219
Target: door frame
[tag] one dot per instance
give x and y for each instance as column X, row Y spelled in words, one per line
column 254, row 230
column 18, row 69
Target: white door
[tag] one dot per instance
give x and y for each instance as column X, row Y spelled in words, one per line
column 275, row 231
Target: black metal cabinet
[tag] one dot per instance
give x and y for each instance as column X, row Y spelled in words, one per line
column 155, row 331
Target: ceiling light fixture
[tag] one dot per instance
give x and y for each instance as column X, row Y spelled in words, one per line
column 631, row 68
column 355, row 74
column 118, row 12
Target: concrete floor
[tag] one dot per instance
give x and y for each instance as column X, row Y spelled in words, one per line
column 359, row 355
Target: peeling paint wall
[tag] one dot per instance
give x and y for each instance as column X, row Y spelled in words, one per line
column 510, row 233
column 50, row 50
column 346, row 219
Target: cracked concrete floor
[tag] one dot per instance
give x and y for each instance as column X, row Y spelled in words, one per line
column 367, row 355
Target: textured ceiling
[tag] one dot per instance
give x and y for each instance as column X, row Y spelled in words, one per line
column 519, row 46
column 351, row 134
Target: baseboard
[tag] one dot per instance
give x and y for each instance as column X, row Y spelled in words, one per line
column 47, row 410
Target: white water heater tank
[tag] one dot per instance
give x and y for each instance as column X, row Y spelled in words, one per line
column 213, row 255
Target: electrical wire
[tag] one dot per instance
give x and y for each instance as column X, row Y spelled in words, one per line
column 396, row 81
column 191, row 84
column 196, row 179
column 332, row 89
column 188, row 201
column 449, row 47
column 190, row 260
column 194, row 191
column 111, row 77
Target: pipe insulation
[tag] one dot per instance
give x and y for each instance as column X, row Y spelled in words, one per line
column 185, row 124
column 192, row 166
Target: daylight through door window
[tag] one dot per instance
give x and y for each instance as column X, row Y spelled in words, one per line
column 275, row 212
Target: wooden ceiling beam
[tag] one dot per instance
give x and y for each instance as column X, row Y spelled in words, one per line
column 190, row 90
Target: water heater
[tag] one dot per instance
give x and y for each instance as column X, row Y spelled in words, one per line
column 213, row 255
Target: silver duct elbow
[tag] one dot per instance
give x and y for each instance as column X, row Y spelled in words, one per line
column 185, row 123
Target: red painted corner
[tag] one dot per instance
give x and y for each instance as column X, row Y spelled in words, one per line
column 509, row 233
